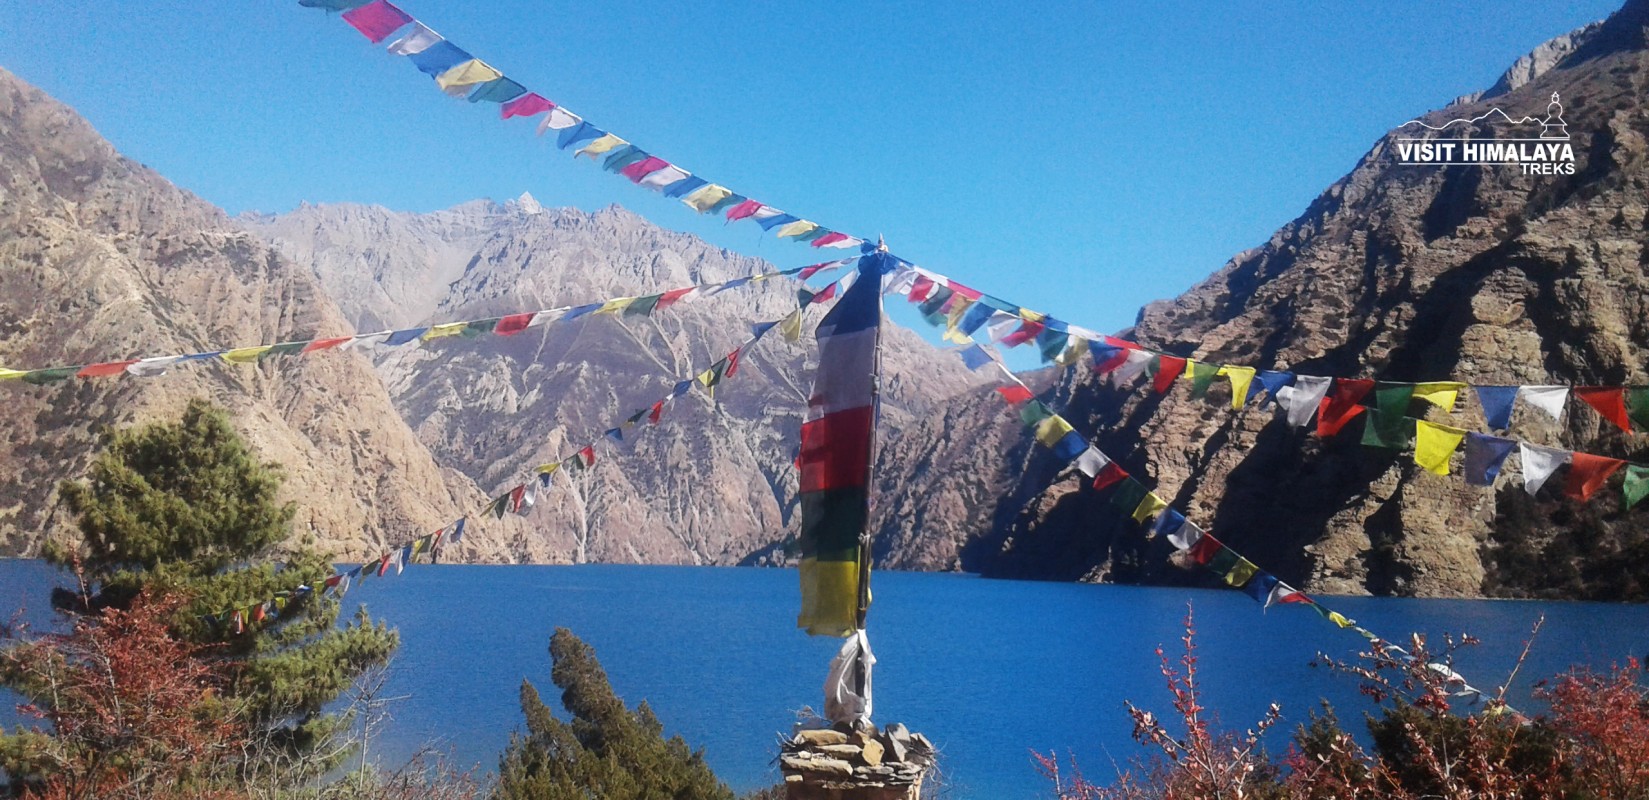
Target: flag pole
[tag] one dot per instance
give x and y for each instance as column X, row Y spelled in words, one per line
column 875, row 424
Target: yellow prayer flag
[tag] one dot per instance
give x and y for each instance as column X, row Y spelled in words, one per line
column 12, row 374
column 599, row 146
column 1149, row 507
column 1051, row 430
column 958, row 307
column 1339, row 619
column 1074, row 351
column 1433, row 444
column 706, row 197
column 545, row 469
column 469, row 73
column 444, row 330
column 1242, row 573
column 791, row 327
column 830, row 596
column 245, row 355
column 1439, row 393
column 615, row 305
column 955, row 336
column 797, row 228
column 1033, row 316
column 1240, row 377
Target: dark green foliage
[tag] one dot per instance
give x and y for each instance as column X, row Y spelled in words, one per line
column 186, row 509
column 605, row 751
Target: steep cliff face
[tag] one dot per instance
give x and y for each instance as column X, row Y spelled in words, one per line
column 713, row 484
column 1404, row 273
column 105, row 260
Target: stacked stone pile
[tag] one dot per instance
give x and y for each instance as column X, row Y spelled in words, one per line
column 826, row 764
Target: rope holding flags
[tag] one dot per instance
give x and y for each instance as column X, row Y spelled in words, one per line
column 507, row 325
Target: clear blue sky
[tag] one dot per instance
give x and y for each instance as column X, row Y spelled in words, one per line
column 1081, row 159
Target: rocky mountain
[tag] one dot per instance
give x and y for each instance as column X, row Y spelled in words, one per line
column 712, row 484
column 1404, row 273
column 104, row 260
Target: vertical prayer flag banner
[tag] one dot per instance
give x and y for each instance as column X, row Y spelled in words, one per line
column 836, row 457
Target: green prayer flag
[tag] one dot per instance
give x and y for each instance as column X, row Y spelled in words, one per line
column 479, row 327
column 1128, row 495
column 1392, row 399
column 283, row 349
column 643, row 306
column 1637, row 406
column 1202, row 377
column 931, row 307
column 40, row 376
column 1637, row 485
column 1034, row 412
column 1377, row 432
column 1224, row 561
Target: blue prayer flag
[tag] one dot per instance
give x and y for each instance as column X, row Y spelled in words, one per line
column 1070, row 446
column 1497, row 405
column 497, row 90
column 404, row 336
column 616, row 434
column 1260, row 587
column 681, row 388
column 773, row 222
column 623, row 157
column 438, row 58
column 579, row 311
column 1169, row 522
column 1270, row 381
column 975, row 357
column 975, row 318
column 1484, row 455
column 582, row 132
column 760, row 329
column 685, row 186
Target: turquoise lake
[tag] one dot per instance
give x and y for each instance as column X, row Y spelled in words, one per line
column 987, row 669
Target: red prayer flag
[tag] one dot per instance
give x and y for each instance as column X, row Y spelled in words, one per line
column 1122, row 343
column 513, row 324
column 525, row 106
column 1108, row 475
column 658, row 411
column 810, row 271
column 1014, row 394
column 830, row 238
column 1341, row 404
column 1205, row 549
column 1587, row 474
column 825, row 294
column 326, row 344
column 669, row 298
column 101, row 370
column 1168, row 369
column 966, row 291
column 920, row 289
column 732, row 363
column 376, row 20
column 836, row 450
column 1610, row 401
column 745, row 209
column 587, row 455
column 1027, row 331
column 641, row 169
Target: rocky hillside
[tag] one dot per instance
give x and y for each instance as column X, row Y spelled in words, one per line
column 712, row 485
column 1404, row 273
column 105, row 260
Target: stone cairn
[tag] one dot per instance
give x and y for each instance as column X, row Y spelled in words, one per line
column 829, row 764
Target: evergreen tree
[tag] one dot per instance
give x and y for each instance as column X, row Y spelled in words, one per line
column 605, row 751
column 186, row 509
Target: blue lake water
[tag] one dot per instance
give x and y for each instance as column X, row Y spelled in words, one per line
column 987, row 669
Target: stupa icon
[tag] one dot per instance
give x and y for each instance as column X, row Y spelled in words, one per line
column 1553, row 126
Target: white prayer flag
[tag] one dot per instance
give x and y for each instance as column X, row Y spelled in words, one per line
column 557, row 119
column 1137, row 361
column 1091, row 461
column 1303, row 398
column 1186, row 537
column 1539, row 463
column 419, row 39
column 1549, row 399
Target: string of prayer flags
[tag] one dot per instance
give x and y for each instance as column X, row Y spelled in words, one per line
column 507, row 325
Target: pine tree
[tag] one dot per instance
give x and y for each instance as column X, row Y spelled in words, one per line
column 186, row 509
column 606, row 751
